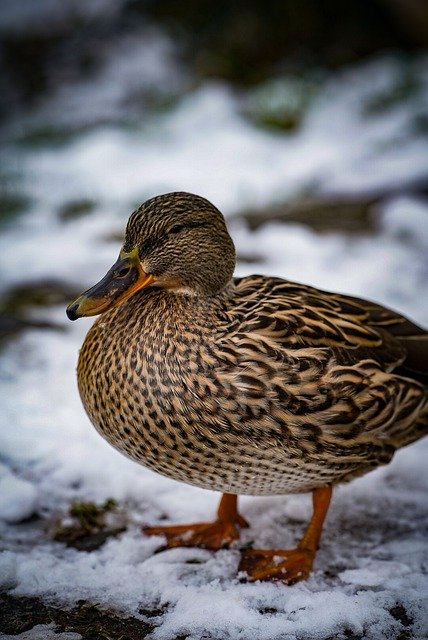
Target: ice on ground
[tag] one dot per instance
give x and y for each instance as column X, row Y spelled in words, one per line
column 372, row 565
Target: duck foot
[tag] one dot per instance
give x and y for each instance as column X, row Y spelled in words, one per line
column 288, row 566
column 208, row 535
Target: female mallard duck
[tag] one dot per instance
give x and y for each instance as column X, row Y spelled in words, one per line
column 250, row 385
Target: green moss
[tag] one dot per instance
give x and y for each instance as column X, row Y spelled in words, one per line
column 87, row 528
column 280, row 104
column 91, row 515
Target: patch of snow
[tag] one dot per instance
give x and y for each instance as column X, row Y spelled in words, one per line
column 18, row 499
column 375, row 573
column 406, row 219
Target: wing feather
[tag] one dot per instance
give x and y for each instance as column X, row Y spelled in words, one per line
column 332, row 359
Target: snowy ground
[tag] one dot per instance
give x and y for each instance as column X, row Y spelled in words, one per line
column 373, row 560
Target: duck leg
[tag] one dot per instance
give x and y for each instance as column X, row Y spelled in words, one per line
column 209, row 535
column 290, row 565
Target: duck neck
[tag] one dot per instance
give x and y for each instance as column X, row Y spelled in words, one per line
column 173, row 312
column 190, row 309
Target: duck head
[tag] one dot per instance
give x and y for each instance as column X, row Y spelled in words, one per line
column 176, row 241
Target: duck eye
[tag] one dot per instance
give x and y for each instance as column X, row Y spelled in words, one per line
column 177, row 228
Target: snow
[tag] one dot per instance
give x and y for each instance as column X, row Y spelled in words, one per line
column 18, row 499
column 373, row 553
column 43, row 632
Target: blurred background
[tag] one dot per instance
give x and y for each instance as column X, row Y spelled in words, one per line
column 305, row 122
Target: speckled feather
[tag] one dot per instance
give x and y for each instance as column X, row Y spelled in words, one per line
column 251, row 386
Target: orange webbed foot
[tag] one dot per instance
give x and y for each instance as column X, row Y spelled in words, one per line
column 288, row 566
column 208, row 535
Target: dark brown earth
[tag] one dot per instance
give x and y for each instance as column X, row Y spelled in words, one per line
column 19, row 614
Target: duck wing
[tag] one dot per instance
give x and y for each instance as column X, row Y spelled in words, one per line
column 328, row 363
column 388, row 323
column 296, row 316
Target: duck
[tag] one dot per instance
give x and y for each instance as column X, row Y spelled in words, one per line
column 246, row 386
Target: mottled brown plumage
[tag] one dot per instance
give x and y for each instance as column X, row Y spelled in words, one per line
column 252, row 385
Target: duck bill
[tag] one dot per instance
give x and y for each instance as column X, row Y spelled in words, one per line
column 124, row 278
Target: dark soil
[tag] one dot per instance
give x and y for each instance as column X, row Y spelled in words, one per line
column 19, row 614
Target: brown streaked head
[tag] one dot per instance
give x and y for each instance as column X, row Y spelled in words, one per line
column 174, row 241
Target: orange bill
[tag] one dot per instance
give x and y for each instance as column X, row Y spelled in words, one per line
column 124, row 278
